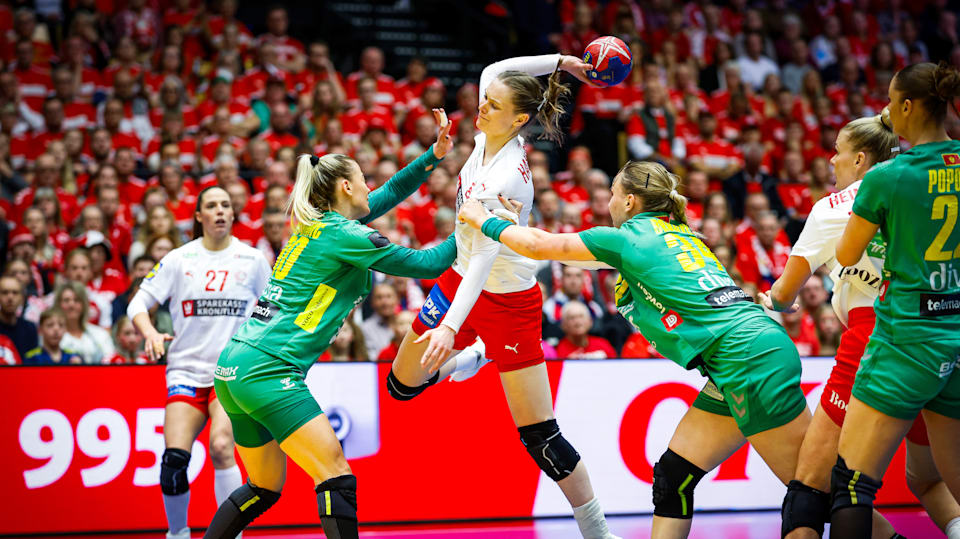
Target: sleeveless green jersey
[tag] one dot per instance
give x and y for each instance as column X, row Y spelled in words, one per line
column 671, row 286
column 914, row 199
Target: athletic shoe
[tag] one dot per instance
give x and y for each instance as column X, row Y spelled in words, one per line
column 469, row 361
column 182, row 534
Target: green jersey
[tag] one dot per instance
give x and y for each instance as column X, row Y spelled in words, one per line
column 671, row 286
column 324, row 271
column 913, row 198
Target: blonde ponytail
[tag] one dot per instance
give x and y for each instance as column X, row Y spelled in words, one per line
column 544, row 105
column 655, row 186
column 313, row 190
column 874, row 136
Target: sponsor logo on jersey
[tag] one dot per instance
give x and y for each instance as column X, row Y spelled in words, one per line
column 287, row 383
column 225, row 373
column 153, row 272
column 870, row 279
column 951, row 159
column 264, row 311
column 946, row 277
column 186, row 391
column 946, row 368
column 434, row 308
column 837, row 401
column 214, row 307
column 245, row 257
column 939, row 304
column 671, row 320
column 727, row 295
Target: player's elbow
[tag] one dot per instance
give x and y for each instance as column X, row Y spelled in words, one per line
column 846, row 256
column 779, row 294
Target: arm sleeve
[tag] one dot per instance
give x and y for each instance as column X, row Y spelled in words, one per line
column 161, row 280
column 361, row 246
column 871, row 202
column 605, row 242
column 534, row 65
column 142, row 302
column 639, row 149
column 401, row 185
column 424, row 264
column 818, row 240
column 485, row 252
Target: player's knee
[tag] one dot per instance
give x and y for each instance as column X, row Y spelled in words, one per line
column 804, row 507
column 401, row 391
column 850, row 488
column 549, row 449
column 221, row 450
column 674, row 479
column 254, row 499
column 173, row 471
column 337, row 497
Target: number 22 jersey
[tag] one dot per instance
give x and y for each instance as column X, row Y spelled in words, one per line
column 211, row 294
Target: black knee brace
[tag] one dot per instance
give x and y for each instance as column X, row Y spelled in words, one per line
column 173, row 472
column 549, row 449
column 852, row 495
column 337, row 502
column 674, row 479
column 402, row 392
column 243, row 506
column 804, row 507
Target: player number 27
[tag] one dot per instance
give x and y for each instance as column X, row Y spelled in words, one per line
column 944, row 207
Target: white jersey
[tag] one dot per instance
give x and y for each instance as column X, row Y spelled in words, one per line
column 498, row 269
column 857, row 285
column 211, row 293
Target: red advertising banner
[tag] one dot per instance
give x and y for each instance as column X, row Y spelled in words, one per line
column 81, row 447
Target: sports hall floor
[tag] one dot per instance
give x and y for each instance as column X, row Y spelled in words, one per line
column 747, row 525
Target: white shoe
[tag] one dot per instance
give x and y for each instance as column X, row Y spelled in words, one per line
column 469, row 361
column 182, row 534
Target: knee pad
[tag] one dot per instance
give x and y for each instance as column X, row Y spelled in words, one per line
column 549, row 449
column 402, row 392
column 849, row 488
column 337, row 497
column 173, row 471
column 804, row 507
column 243, row 506
column 674, row 479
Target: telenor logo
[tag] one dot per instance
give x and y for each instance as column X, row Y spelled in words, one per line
column 951, row 159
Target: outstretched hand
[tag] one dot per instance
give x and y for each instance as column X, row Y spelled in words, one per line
column 444, row 142
column 767, row 302
column 438, row 351
column 473, row 213
column 578, row 68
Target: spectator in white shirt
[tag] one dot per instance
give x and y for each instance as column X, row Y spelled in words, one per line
column 754, row 67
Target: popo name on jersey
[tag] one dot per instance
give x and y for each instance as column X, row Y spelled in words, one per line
column 211, row 294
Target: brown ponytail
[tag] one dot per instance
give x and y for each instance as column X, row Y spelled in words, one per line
column 546, row 106
column 934, row 85
column 655, row 186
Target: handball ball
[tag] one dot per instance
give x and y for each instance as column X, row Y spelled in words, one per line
column 610, row 58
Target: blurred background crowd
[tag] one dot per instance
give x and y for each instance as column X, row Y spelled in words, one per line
column 115, row 113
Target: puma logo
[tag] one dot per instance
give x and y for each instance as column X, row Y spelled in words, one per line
column 514, row 348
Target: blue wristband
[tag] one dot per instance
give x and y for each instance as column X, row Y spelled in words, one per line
column 493, row 227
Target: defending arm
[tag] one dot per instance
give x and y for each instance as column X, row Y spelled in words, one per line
column 422, row 264
column 401, row 185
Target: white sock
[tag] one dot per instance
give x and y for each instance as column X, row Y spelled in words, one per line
column 590, row 519
column 467, row 358
column 226, row 481
column 176, row 509
column 953, row 529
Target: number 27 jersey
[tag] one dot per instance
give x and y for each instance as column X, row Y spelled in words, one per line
column 211, row 294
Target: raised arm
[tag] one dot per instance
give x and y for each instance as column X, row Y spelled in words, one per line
column 418, row 264
column 408, row 179
column 855, row 239
column 536, row 65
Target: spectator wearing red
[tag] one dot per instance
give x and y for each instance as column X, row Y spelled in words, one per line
column 180, row 200
column 570, row 184
column 172, row 99
column 46, row 175
column 751, row 179
column 290, row 51
column 674, row 33
column 77, row 114
column 119, row 224
column 576, row 342
column 761, row 259
column 685, row 84
column 695, row 188
column 217, row 24
column 109, row 282
column 598, row 213
column 431, row 95
column 652, row 131
column 221, row 94
column 794, row 187
column 279, row 133
column 33, row 81
column 124, row 57
column 120, row 129
column 325, row 105
column 184, row 148
column 850, row 80
column 582, row 32
column 468, row 103
column 423, row 136
column 25, row 29
column 275, row 234
column 319, row 68
column 48, row 244
column 806, row 340
column 253, row 83
column 737, row 118
column 53, row 127
column 159, row 221
column 140, row 23
column 220, row 134
column 371, row 66
column 277, row 174
column 715, row 156
column 638, row 347
column 409, row 89
column 135, row 107
column 733, row 84
column 76, row 58
column 356, row 121
column 245, row 227
column 128, row 344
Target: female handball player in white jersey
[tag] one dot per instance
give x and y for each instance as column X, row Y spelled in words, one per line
column 490, row 292
column 212, row 283
column 860, row 144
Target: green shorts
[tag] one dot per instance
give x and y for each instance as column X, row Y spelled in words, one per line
column 755, row 374
column 902, row 379
column 266, row 398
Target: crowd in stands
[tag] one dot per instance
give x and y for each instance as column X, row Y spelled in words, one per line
column 113, row 118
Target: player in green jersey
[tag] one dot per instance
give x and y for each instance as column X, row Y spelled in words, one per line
column 321, row 274
column 910, row 362
column 674, row 290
